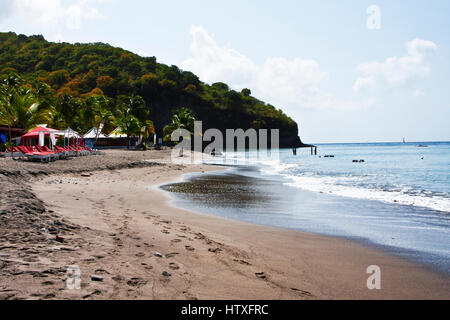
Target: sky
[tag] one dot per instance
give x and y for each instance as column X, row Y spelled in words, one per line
column 346, row 71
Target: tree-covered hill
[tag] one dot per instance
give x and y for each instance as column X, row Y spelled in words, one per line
column 75, row 73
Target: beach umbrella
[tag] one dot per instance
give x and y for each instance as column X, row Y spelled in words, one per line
column 35, row 133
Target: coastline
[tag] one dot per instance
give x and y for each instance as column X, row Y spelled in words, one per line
column 120, row 218
column 241, row 193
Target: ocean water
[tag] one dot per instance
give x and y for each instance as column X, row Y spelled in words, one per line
column 398, row 198
column 391, row 172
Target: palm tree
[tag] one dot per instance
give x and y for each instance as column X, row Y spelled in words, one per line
column 19, row 106
column 182, row 119
column 147, row 132
column 23, row 110
column 128, row 125
column 132, row 116
column 7, row 84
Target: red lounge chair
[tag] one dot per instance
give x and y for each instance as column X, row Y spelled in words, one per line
column 63, row 152
column 47, row 149
column 36, row 155
column 15, row 152
column 40, row 149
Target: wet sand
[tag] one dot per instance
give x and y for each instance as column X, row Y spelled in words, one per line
column 113, row 221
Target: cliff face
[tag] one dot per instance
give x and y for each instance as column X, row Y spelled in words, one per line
column 80, row 70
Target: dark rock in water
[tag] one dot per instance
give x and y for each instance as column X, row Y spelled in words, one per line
column 362, row 161
column 355, row 161
column 96, row 278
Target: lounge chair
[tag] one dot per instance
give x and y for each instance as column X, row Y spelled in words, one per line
column 34, row 155
column 15, row 152
column 62, row 154
column 79, row 150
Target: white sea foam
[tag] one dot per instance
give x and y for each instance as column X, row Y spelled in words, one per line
column 346, row 186
column 333, row 185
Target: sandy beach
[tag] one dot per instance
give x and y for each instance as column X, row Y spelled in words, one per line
column 106, row 215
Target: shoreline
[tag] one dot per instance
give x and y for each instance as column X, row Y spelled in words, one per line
column 422, row 258
column 120, row 219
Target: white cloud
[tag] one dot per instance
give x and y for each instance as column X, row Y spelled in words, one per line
column 53, row 13
column 289, row 84
column 396, row 71
column 5, row 9
column 142, row 53
column 214, row 63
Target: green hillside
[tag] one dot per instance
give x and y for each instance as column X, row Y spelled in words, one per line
column 78, row 73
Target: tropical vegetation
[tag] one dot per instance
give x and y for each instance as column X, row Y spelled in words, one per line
column 81, row 85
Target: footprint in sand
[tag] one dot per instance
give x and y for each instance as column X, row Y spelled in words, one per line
column 176, row 240
column 171, row 255
column 200, row 236
column 189, row 248
column 174, row 266
column 242, row 262
column 146, row 266
column 260, row 275
column 117, row 278
column 136, row 282
column 94, row 293
column 302, row 292
column 101, row 272
column 190, row 297
column 140, row 254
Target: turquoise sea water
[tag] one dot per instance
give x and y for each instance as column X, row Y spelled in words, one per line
column 391, row 172
column 398, row 198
